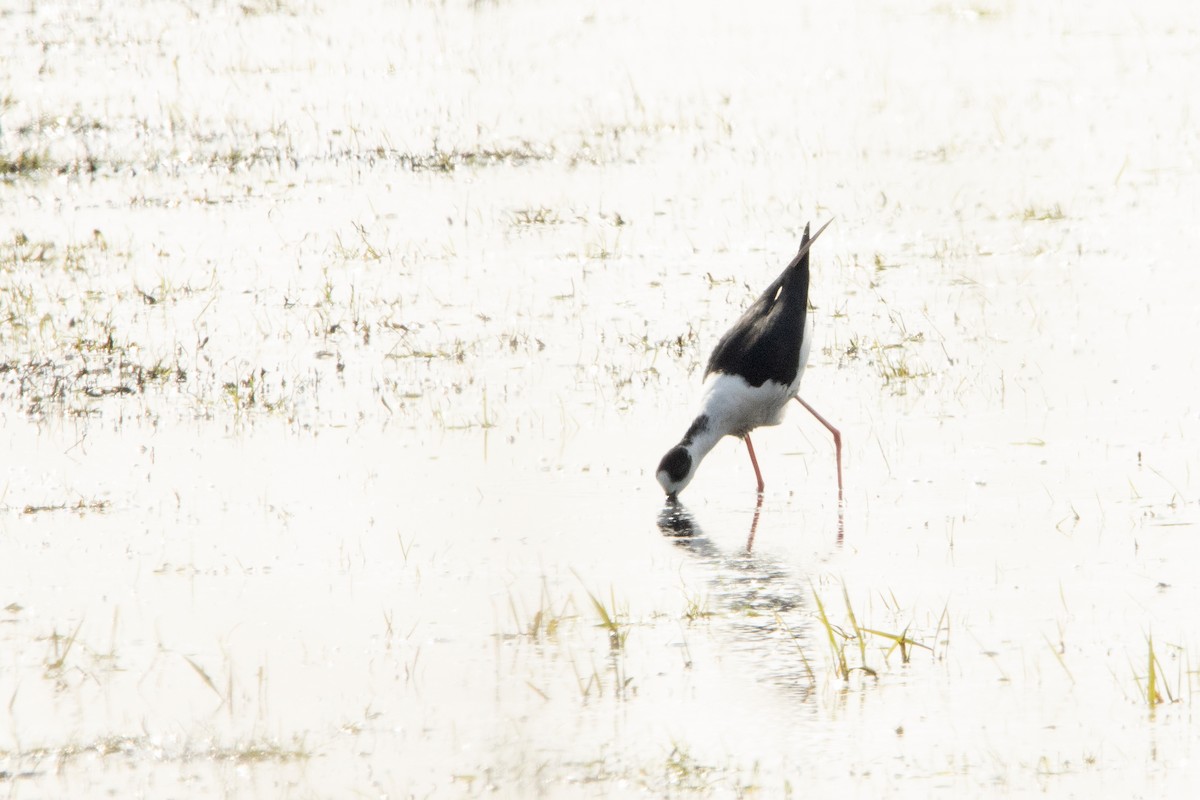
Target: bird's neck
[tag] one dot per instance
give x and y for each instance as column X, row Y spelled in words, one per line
column 701, row 437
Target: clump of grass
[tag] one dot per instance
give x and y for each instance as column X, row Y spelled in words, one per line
column 258, row 389
column 24, row 163
column 259, row 752
column 841, row 667
column 1033, row 213
column 80, row 506
column 893, row 360
column 615, row 623
column 880, row 266
column 439, row 160
column 352, row 252
column 599, row 250
column 20, row 251
column 536, row 216
column 839, row 639
column 1156, row 683
column 456, row 351
column 546, row 621
column 61, row 649
column 858, row 632
column 611, row 621
column 1153, row 697
column 696, row 607
column 901, row 641
column 248, row 752
column 681, row 346
column 897, row 369
column 683, row 772
column 255, row 8
column 230, row 161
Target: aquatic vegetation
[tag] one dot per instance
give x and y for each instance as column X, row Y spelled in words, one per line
column 1035, row 213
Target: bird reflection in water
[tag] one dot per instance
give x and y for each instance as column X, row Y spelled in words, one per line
column 760, row 598
column 676, row 521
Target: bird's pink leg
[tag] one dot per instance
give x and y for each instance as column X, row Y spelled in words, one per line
column 754, row 461
column 837, row 441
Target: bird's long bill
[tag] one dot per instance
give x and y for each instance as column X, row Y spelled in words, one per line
column 804, row 248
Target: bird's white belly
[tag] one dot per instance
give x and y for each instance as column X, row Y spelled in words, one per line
column 737, row 408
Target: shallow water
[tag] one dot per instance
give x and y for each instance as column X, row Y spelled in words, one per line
column 338, row 346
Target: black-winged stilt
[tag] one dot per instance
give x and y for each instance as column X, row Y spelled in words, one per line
column 752, row 374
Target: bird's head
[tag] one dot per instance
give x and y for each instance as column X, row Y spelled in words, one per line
column 675, row 470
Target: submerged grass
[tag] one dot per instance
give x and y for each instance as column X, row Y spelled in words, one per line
column 895, row 362
column 685, row 773
column 79, row 506
column 899, row 640
column 839, row 639
column 546, row 621
column 24, row 164
column 611, row 621
column 252, row 751
column 1035, row 213
column 438, row 159
column 62, row 648
column 838, row 653
column 536, row 216
column 696, row 607
column 1155, row 690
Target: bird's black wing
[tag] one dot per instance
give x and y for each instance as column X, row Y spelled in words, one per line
column 764, row 344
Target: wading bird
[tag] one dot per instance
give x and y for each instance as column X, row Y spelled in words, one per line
column 752, row 374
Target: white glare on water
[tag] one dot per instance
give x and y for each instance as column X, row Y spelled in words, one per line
column 338, row 344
